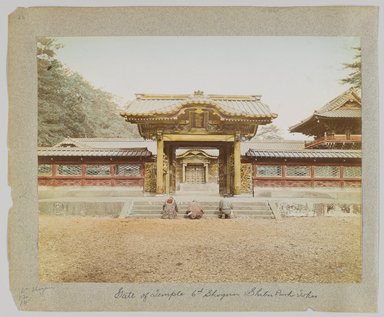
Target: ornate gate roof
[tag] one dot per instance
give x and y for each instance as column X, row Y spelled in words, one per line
column 198, row 114
column 248, row 106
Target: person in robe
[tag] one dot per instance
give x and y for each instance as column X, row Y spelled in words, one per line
column 225, row 208
column 194, row 210
column 169, row 209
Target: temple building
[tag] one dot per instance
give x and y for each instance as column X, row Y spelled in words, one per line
column 198, row 121
column 336, row 125
column 207, row 141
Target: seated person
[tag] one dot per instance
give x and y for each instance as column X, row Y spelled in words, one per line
column 194, row 210
column 225, row 208
column 169, row 209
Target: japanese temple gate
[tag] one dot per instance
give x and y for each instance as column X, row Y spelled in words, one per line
column 198, row 137
column 196, row 121
column 228, row 160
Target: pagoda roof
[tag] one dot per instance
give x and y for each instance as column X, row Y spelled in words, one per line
column 338, row 108
column 230, row 105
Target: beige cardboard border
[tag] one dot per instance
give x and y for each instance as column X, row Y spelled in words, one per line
column 26, row 24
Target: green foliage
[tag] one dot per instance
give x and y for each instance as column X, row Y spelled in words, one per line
column 354, row 77
column 68, row 105
column 269, row 132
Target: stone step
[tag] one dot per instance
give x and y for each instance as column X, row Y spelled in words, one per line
column 249, row 204
column 179, row 206
column 211, row 208
column 181, row 212
column 207, row 203
column 205, row 216
column 265, row 214
column 144, row 208
column 213, row 204
column 203, row 206
column 250, row 209
column 201, row 186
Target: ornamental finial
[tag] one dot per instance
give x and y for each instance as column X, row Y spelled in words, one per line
column 198, row 93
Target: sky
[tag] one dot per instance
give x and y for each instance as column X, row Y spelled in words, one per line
column 294, row 75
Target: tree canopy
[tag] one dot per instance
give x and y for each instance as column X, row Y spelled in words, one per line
column 69, row 106
column 354, row 77
column 269, row 132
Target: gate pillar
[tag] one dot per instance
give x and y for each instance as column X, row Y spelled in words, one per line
column 160, row 164
column 237, row 165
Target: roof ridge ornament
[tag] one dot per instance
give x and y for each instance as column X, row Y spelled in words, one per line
column 198, row 93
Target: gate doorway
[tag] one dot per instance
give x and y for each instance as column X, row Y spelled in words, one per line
column 198, row 121
column 195, row 174
column 199, row 166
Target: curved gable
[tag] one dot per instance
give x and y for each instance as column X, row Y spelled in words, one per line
column 171, row 105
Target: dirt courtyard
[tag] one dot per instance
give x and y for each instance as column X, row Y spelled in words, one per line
column 91, row 249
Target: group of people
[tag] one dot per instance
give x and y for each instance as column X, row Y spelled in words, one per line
column 194, row 210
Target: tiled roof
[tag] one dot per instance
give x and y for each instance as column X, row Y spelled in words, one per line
column 306, row 154
column 70, row 142
column 334, row 109
column 121, row 147
column 248, row 106
column 284, row 145
column 341, row 100
column 87, row 152
column 341, row 113
column 123, row 143
column 108, row 143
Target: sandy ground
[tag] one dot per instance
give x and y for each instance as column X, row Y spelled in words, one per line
column 85, row 249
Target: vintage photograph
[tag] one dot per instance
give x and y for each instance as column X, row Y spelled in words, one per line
column 199, row 159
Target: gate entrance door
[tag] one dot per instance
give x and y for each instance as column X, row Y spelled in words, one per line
column 195, row 174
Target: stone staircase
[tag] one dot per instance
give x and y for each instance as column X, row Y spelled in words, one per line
column 241, row 209
column 252, row 209
column 208, row 189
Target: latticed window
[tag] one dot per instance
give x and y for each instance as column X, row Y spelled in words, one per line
column 297, row 171
column 97, row 170
column 69, row 170
column 352, row 171
column 268, row 170
column 327, row 171
column 44, row 170
column 128, row 170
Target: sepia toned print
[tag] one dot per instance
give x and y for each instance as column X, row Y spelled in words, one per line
column 175, row 170
column 293, row 206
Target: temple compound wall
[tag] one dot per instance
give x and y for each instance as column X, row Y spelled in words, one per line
column 210, row 139
column 83, row 165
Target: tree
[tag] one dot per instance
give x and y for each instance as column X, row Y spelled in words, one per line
column 269, row 132
column 354, row 78
column 68, row 105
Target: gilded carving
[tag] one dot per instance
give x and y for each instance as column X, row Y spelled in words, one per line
column 246, row 177
column 222, row 170
column 231, row 162
column 159, row 135
column 150, row 177
column 165, row 164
